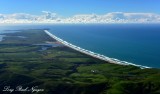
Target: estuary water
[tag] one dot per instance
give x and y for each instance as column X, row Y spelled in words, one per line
column 135, row 43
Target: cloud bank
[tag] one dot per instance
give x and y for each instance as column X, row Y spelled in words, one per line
column 50, row 17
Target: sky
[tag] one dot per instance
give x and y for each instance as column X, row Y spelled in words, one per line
column 71, row 7
column 79, row 11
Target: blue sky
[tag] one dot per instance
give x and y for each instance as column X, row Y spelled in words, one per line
column 71, row 7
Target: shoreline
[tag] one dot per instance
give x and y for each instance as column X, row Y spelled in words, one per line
column 95, row 55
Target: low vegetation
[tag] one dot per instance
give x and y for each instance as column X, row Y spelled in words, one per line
column 61, row 70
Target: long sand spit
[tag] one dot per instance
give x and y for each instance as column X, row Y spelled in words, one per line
column 90, row 53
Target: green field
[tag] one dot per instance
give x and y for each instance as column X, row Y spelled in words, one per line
column 26, row 61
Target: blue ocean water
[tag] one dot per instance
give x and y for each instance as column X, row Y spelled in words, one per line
column 135, row 43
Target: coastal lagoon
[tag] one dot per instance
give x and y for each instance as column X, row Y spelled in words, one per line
column 135, row 43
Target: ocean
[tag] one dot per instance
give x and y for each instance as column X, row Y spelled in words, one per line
column 135, row 43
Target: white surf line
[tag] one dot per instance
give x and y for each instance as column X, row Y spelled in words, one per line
column 90, row 53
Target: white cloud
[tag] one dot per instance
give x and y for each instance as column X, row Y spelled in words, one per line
column 49, row 17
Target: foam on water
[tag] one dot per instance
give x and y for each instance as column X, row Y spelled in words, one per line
column 96, row 55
